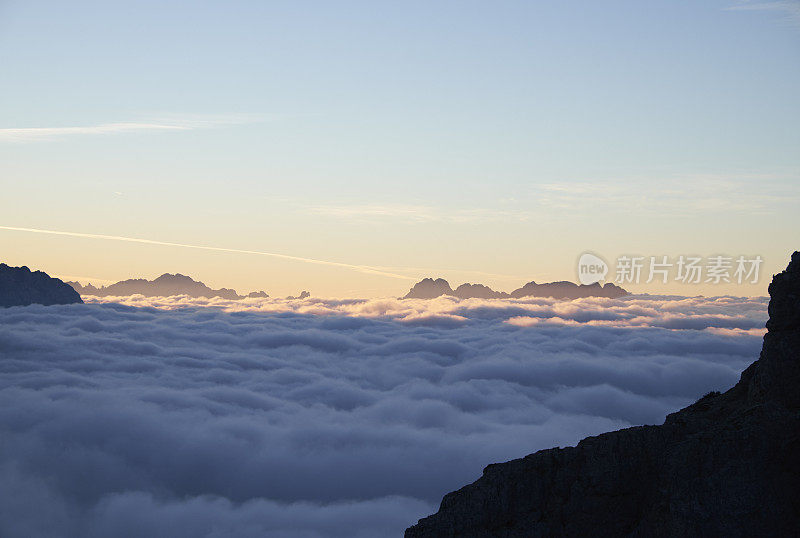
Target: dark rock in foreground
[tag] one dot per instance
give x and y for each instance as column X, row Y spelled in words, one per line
column 728, row 465
column 429, row 288
column 21, row 287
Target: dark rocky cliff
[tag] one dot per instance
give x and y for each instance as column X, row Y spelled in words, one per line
column 728, row 465
column 19, row 286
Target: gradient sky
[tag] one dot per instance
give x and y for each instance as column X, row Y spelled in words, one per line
column 487, row 142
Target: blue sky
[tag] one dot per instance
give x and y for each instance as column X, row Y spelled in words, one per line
column 485, row 141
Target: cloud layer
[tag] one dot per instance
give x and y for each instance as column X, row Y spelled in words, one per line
column 329, row 417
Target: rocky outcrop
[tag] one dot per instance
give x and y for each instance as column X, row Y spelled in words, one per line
column 19, row 286
column 257, row 295
column 429, row 288
column 728, row 465
column 163, row 286
column 469, row 291
column 568, row 290
column 303, row 295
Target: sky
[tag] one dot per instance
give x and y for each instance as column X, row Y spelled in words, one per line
column 487, row 142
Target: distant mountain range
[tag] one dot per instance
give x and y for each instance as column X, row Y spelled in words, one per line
column 429, row 288
column 163, row 286
column 177, row 284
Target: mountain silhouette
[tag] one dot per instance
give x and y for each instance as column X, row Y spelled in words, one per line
column 19, row 286
column 568, row 290
column 303, row 295
column 429, row 288
column 257, row 295
column 727, row 465
column 163, row 286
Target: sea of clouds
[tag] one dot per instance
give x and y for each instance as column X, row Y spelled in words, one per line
column 324, row 417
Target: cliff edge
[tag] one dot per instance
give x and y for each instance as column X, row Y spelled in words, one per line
column 727, row 465
column 19, row 286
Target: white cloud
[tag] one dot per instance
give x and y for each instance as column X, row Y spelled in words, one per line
column 324, row 417
column 709, row 193
column 412, row 212
column 31, row 134
column 418, row 213
column 36, row 134
column 789, row 8
column 632, row 311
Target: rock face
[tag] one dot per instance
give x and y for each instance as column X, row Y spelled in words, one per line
column 468, row 291
column 727, row 465
column 429, row 288
column 19, row 286
column 568, row 290
column 163, row 286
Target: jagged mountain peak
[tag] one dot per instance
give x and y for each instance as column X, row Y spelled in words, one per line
column 167, row 284
column 19, row 286
column 429, row 288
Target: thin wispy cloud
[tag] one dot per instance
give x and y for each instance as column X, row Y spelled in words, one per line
column 677, row 196
column 420, row 213
column 358, row 268
column 790, row 9
column 683, row 195
column 465, row 273
column 40, row 134
column 417, row 213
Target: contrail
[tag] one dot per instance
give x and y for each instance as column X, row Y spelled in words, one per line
column 359, row 268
